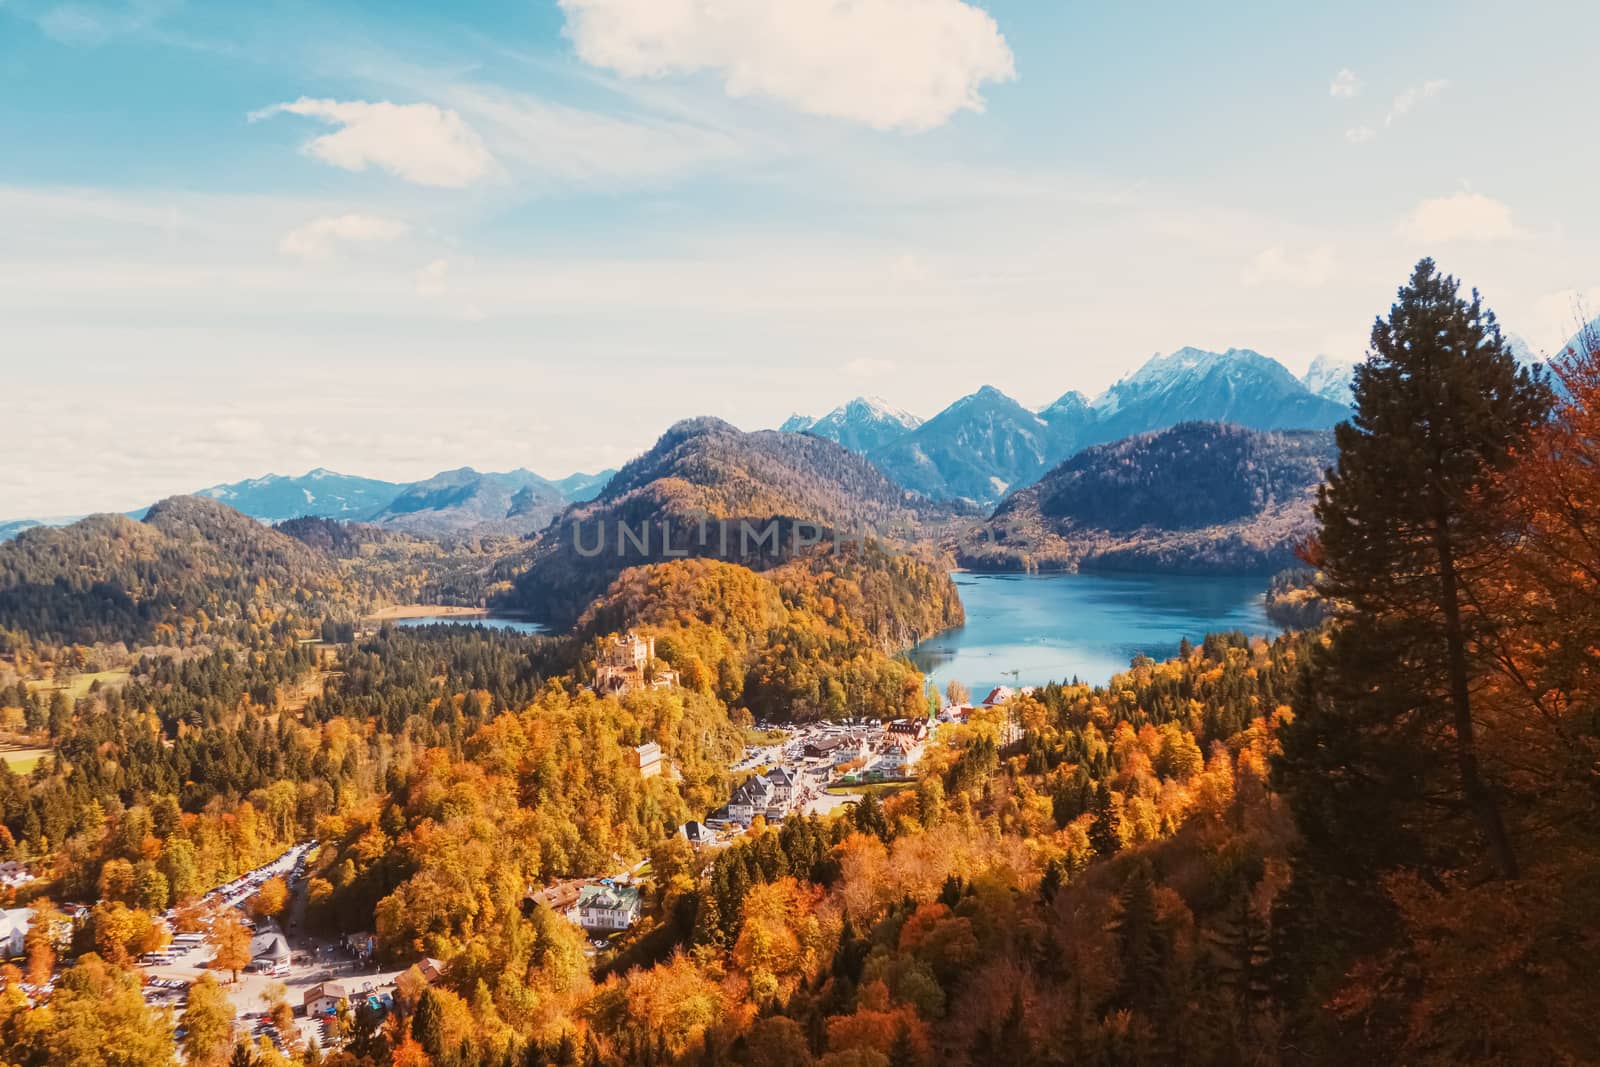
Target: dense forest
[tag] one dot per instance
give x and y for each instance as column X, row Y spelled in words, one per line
column 1373, row 840
column 816, row 637
column 1196, row 497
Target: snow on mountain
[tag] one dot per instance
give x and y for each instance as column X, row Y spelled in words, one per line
column 863, row 424
column 1330, row 378
column 1238, row 386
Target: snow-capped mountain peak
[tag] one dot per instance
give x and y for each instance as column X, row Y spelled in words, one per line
column 1330, row 378
column 863, row 424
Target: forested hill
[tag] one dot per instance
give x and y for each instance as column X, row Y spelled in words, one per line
column 1200, row 497
column 191, row 563
column 707, row 483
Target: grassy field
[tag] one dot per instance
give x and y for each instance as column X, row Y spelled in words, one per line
column 756, row 738
column 78, row 687
column 23, row 760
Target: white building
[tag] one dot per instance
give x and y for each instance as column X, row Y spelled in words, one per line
column 324, row 997
column 752, row 798
column 784, row 787
column 14, row 924
column 606, row 907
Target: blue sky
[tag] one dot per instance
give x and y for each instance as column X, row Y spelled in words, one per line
column 391, row 238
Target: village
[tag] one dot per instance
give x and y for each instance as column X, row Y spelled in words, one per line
column 806, row 768
column 295, row 990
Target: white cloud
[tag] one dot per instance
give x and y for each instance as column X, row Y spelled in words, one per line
column 1274, row 266
column 1462, row 217
column 892, row 64
column 421, row 143
column 1360, row 134
column 1345, row 83
column 320, row 238
column 1409, row 98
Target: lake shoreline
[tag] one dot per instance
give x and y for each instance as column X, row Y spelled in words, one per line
column 1030, row 629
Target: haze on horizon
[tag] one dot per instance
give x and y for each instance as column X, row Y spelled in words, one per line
column 253, row 238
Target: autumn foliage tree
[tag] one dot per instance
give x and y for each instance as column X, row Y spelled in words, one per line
column 229, row 939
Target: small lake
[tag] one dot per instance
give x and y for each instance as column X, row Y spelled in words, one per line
column 1051, row 627
column 488, row 622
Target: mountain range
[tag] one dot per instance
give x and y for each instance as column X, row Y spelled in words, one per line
column 987, row 444
column 449, row 503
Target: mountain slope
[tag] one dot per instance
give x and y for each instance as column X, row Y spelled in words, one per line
column 580, row 488
column 1199, row 497
column 976, row 449
column 109, row 578
column 715, row 491
column 320, row 492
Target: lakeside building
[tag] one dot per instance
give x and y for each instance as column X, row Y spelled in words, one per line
column 1000, row 694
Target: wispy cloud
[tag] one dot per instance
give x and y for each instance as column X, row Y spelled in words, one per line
column 1345, row 84
column 543, row 140
column 422, row 143
column 320, row 238
column 891, row 64
column 89, row 24
column 1408, row 99
column 1360, row 134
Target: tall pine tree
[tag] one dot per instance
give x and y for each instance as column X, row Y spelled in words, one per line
column 1382, row 761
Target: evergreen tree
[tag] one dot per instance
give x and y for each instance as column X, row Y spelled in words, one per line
column 1103, row 830
column 427, row 1023
column 1385, row 733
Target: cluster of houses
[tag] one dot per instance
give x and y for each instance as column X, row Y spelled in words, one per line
column 771, row 795
column 14, row 874
column 813, row 756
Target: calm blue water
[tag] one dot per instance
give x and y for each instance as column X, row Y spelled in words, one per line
column 1050, row 627
column 491, row 622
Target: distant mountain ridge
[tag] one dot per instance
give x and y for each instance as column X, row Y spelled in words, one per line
column 321, row 492
column 986, row 444
column 449, row 503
